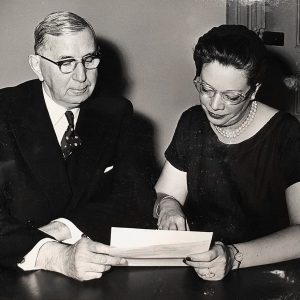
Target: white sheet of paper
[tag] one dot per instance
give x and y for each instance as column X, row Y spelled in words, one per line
column 148, row 247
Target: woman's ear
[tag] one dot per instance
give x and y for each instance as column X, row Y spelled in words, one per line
column 34, row 62
column 253, row 95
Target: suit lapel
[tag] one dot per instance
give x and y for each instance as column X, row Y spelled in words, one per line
column 94, row 131
column 38, row 144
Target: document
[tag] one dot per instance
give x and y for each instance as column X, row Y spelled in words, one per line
column 148, row 247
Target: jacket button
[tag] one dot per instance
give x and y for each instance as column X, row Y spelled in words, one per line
column 30, row 223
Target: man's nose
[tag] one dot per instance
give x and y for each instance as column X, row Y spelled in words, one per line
column 79, row 73
column 217, row 102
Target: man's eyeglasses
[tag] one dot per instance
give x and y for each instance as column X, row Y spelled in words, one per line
column 230, row 97
column 67, row 66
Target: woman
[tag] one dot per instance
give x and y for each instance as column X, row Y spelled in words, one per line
column 233, row 166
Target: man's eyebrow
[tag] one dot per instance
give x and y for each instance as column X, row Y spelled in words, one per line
column 65, row 57
column 90, row 54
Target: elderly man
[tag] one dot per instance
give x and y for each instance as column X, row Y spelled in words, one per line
column 60, row 145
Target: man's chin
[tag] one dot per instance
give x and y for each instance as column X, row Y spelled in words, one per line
column 73, row 102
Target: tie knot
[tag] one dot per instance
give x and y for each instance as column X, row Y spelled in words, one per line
column 70, row 117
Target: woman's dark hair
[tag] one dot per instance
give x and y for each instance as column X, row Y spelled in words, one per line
column 233, row 45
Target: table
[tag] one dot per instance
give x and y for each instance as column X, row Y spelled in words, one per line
column 276, row 281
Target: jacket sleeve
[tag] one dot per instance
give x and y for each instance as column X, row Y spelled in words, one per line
column 17, row 238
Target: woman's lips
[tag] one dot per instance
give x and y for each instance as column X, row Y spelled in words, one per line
column 215, row 116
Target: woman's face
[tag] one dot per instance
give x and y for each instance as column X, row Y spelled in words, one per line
column 226, row 80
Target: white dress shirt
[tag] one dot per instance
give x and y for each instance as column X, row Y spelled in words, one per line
column 57, row 116
column 60, row 124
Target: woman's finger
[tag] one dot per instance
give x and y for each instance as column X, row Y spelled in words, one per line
column 187, row 225
column 207, row 256
column 181, row 224
column 206, row 273
column 199, row 264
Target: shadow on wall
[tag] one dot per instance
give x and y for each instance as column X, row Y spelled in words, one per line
column 280, row 85
column 113, row 78
column 114, row 81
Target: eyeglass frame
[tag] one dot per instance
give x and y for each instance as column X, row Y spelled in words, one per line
column 59, row 63
column 243, row 96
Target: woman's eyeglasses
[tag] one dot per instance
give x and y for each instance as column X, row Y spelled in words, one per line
column 230, row 97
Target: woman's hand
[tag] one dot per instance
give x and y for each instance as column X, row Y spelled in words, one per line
column 171, row 216
column 214, row 264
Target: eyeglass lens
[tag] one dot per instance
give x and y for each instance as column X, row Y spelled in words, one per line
column 69, row 66
column 210, row 92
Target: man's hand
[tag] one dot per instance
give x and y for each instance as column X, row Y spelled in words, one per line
column 85, row 260
column 171, row 216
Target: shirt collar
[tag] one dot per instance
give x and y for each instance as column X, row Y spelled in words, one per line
column 56, row 111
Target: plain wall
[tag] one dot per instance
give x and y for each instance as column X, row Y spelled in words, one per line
column 152, row 41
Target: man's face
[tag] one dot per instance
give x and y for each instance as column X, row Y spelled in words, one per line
column 68, row 90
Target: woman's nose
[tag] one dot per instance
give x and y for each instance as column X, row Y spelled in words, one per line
column 217, row 102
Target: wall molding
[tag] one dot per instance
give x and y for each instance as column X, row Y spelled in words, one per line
column 298, row 25
column 297, row 94
column 247, row 13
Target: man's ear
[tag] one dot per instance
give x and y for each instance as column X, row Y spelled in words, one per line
column 253, row 95
column 34, row 62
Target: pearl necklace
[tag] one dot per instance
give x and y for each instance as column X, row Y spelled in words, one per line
column 233, row 134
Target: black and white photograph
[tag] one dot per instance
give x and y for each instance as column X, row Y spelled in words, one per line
column 150, row 149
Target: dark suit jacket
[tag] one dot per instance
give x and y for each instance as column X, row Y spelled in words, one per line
column 37, row 185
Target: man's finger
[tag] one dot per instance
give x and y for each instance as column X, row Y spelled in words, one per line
column 104, row 259
column 98, row 247
column 90, row 276
column 97, row 268
column 102, row 254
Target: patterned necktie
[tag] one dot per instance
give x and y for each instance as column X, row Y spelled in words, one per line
column 70, row 141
